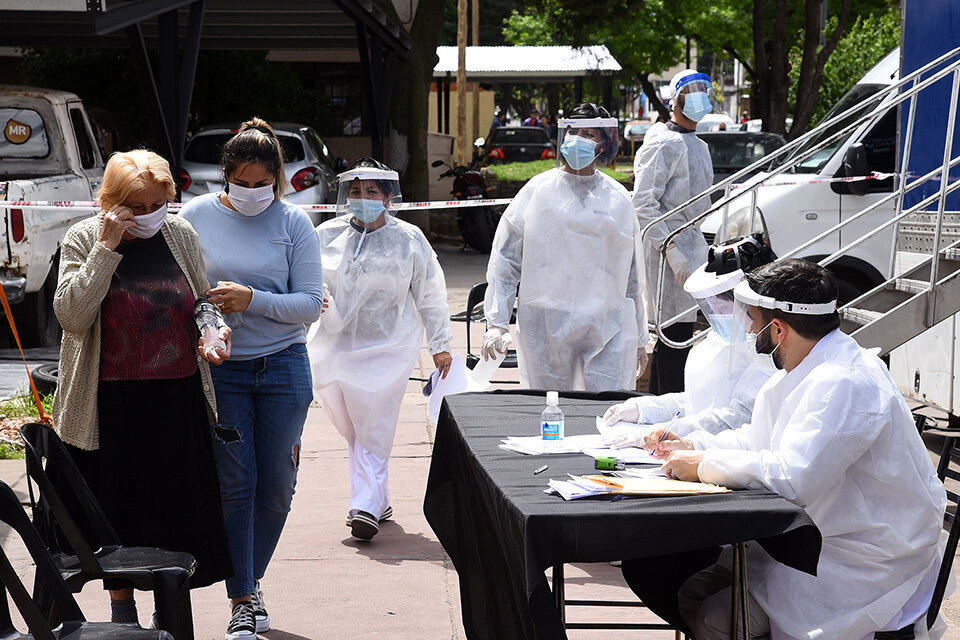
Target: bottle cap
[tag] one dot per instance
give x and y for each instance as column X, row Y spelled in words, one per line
column 553, row 398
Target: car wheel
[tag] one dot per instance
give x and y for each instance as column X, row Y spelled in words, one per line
column 45, row 378
column 478, row 225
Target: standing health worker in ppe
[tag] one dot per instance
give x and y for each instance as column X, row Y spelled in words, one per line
column 570, row 241
column 384, row 286
column 672, row 166
column 830, row 432
column 720, row 383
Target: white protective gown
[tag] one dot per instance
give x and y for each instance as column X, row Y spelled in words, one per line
column 571, row 242
column 670, row 168
column 835, row 436
column 716, row 396
column 385, row 297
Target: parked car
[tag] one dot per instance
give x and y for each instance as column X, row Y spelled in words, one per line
column 48, row 151
column 519, row 144
column 731, row 151
column 716, row 122
column 310, row 167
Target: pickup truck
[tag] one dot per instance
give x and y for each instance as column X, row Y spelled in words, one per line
column 48, row 151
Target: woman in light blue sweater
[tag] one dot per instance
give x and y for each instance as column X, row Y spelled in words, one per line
column 263, row 263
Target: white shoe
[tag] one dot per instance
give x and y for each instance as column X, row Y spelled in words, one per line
column 259, row 609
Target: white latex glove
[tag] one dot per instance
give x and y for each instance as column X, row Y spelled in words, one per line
column 625, row 412
column 642, row 358
column 494, row 340
column 678, row 263
column 623, row 437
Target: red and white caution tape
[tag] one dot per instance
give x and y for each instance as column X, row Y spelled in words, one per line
column 92, row 206
column 781, row 183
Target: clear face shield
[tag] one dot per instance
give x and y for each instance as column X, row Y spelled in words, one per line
column 582, row 142
column 368, row 194
column 695, row 97
column 750, row 335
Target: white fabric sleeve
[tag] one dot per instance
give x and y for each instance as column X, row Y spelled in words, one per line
column 503, row 268
column 636, row 291
column 655, row 163
column 430, row 296
column 730, row 439
column 653, row 409
column 826, row 434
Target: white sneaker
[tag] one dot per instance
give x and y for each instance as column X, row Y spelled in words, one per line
column 243, row 623
column 386, row 515
column 259, row 609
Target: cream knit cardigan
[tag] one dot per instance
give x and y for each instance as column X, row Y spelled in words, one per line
column 86, row 269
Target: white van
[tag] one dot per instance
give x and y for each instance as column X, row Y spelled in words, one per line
column 806, row 203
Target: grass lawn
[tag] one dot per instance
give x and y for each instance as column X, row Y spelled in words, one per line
column 523, row 171
column 14, row 413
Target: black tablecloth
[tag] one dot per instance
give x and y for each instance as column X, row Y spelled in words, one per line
column 502, row 532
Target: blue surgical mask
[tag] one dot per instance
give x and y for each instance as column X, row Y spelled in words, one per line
column 722, row 324
column 579, row 152
column 366, row 210
column 696, row 105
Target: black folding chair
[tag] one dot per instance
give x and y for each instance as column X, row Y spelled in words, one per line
column 166, row 573
column 474, row 300
column 47, row 579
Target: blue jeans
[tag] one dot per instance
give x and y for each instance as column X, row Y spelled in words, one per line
column 262, row 405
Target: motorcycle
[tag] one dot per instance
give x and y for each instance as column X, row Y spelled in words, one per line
column 477, row 224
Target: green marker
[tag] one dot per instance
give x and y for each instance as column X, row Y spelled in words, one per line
column 608, row 463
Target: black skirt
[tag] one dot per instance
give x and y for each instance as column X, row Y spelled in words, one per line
column 155, row 475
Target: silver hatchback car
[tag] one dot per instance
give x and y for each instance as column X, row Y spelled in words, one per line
column 310, row 167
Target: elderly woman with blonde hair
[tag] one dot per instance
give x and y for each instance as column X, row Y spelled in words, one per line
column 135, row 398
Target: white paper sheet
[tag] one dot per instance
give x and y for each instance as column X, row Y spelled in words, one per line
column 457, row 381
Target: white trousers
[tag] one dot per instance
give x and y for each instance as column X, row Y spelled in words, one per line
column 369, row 488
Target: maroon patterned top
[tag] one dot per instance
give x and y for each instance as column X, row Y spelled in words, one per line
column 147, row 326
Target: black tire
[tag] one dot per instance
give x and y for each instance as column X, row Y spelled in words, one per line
column 478, row 226
column 45, row 378
column 36, row 322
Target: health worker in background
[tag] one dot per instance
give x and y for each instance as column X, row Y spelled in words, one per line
column 720, row 383
column 263, row 264
column 569, row 240
column 672, row 166
column 832, row 433
column 385, row 286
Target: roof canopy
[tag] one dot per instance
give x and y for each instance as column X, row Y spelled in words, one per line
column 528, row 64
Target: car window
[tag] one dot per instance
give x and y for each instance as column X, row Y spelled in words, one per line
column 505, row 135
column 881, row 146
column 736, row 151
column 86, row 146
column 205, row 148
column 24, row 135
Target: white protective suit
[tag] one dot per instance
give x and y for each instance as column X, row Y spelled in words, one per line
column 572, row 244
column 670, row 168
column 385, row 297
column 835, row 436
column 717, row 395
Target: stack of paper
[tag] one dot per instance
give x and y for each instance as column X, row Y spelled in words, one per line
column 535, row 445
column 645, row 482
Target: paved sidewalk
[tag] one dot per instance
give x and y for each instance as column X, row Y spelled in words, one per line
column 323, row 584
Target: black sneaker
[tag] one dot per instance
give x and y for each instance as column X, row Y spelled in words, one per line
column 364, row 526
column 386, row 515
column 260, row 609
column 243, row 622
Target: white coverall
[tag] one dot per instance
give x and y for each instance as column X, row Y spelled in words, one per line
column 385, row 297
column 716, row 397
column 572, row 244
column 670, row 168
column 835, row 436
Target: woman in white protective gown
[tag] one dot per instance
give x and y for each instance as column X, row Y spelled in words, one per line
column 384, row 286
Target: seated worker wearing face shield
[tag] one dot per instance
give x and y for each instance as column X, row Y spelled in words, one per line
column 569, row 240
column 830, row 432
column 672, row 166
column 719, row 390
column 383, row 286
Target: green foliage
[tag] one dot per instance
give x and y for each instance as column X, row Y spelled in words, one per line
column 10, row 451
column 527, row 30
column 22, row 406
column 523, row 171
column 867, row 40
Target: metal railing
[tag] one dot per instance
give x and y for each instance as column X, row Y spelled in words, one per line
column 887, row 98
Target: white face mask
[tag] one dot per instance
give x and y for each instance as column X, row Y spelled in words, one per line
column 149, row 223
column 250, row 202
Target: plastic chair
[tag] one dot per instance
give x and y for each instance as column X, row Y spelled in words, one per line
column 950, row 453
column 475, row 299
column 47, row 579
column 166, row 573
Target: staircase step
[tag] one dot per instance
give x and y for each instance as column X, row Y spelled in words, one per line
column 909, row 285
column 861, row 317
column 951, row 253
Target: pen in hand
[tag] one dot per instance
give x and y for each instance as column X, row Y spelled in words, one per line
column 666, row 432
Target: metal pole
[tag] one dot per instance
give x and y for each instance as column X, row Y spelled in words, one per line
column 475, row 5
column 904, row 166
column 462, row 148
column 734, row 591
column 558, row 595
column 944, row 181
column 744, row 593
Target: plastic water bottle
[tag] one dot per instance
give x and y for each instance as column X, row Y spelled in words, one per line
column 206, row 318
column 551, row 420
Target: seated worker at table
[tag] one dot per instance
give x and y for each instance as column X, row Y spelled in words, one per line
column 718, row 391
column 831, row 433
